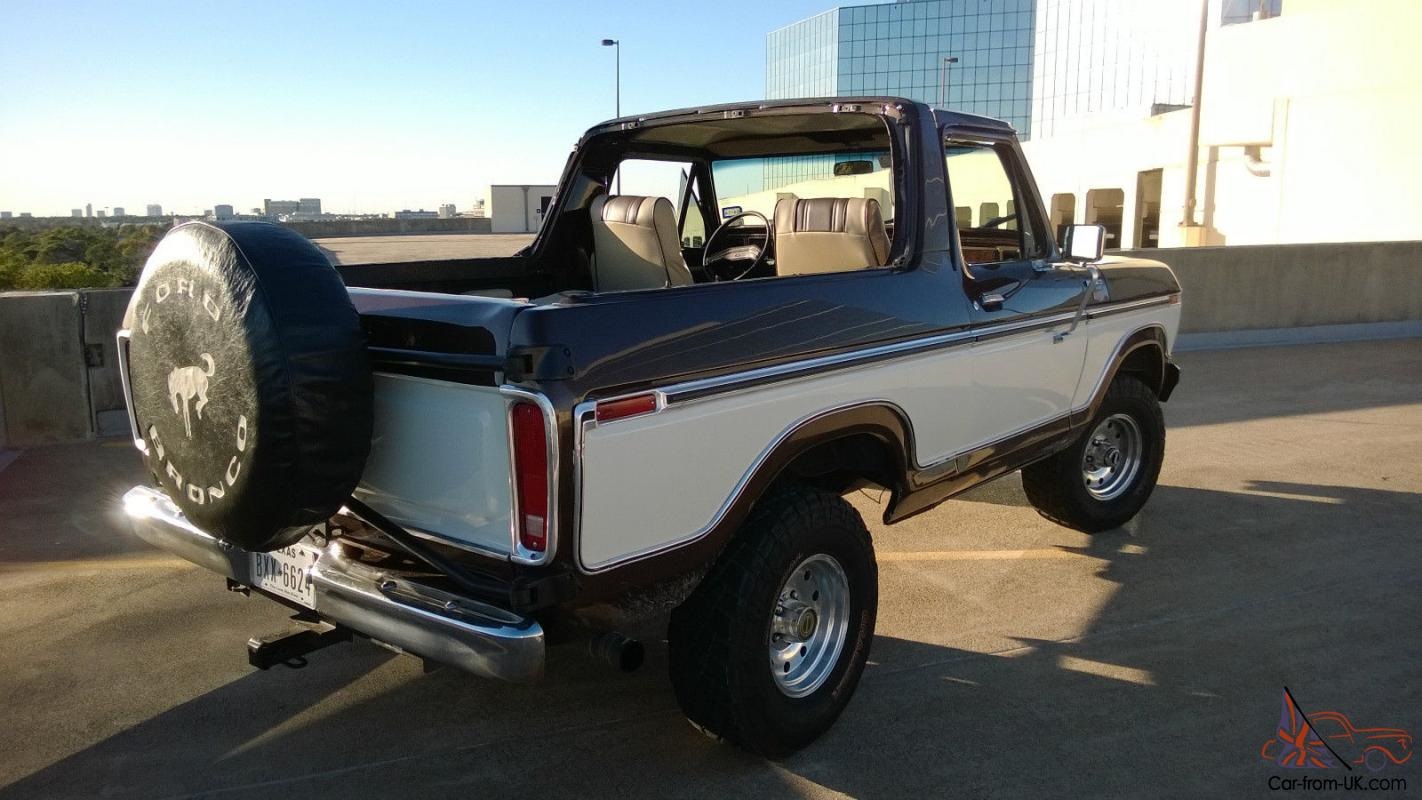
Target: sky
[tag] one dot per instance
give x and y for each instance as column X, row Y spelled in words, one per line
column 371, row 106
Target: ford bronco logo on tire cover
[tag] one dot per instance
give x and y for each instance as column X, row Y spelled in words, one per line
column 199, row 462
column 186, row 383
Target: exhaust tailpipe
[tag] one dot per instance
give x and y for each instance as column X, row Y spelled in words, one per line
column 619, row 651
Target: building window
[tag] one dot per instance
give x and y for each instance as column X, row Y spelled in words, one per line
column 987, row 211
column 1148, row 208
column 1236, row 11
column 1104, row 207
column 1063, row 214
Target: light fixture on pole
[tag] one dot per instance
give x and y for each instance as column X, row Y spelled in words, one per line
column 616, row 45
column 943, row 79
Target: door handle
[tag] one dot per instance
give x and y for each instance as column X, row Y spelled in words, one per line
column 991, row 301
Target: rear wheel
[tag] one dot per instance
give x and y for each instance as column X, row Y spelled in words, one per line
column 770, row 647
column 1106, row 476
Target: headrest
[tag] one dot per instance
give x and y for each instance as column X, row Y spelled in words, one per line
column 857, row 215
column 629, row 209
column 829, row 234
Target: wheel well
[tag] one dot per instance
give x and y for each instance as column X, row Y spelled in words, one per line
column 841, row 464
column 1147, row 363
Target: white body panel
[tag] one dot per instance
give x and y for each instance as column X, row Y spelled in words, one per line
column 1021, row 381
column 654, row 482
column 439, row 460
column 1105, row 334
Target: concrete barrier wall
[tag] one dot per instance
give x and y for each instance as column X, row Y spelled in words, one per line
column 1297, row 285
column 44, row 384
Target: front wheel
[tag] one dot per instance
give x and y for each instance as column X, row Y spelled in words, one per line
column 769, row 648
column 1106, row 476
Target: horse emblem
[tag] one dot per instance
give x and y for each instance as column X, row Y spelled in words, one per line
column 186, row 384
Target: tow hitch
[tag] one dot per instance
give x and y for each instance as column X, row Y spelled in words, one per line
column 292, row 648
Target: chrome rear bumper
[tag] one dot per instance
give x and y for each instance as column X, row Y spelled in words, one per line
column 427, row 622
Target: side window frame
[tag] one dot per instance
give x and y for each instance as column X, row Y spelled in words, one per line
column 1025, row 202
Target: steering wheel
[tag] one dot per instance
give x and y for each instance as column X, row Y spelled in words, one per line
column 756, row 254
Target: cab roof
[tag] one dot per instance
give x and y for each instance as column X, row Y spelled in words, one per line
column 770, row 127
column 869, row 104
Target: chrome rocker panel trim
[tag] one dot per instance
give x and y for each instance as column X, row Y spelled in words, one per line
column 454, row 630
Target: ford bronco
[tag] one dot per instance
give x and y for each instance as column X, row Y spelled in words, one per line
column 731, row 317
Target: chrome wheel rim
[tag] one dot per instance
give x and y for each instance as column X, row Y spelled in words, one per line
column 809, row 625
column 1113, row 457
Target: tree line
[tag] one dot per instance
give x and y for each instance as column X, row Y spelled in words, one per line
column 75, row 256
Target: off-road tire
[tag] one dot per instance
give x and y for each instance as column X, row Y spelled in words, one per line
column 719, row 636
column 1055, row 486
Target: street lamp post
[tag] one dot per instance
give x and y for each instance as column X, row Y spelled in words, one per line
column 943, row 79
column 616, row 45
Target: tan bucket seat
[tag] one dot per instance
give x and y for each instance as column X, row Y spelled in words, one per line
column 635, row 244
column 829, row 234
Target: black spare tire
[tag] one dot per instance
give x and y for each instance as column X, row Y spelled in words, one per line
column 250, row 382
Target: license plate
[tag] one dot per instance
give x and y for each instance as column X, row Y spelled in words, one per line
column 286, row 572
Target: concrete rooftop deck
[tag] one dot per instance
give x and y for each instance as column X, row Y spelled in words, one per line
column 1013, row 657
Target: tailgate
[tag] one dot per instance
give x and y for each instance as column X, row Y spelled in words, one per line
column 440, row 461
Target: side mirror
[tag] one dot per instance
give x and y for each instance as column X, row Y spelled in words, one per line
column 1084, row 243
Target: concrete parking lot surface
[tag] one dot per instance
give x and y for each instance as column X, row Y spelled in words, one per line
column 1013, row 658
column 421, row 247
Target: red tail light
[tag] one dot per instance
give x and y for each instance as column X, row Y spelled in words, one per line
column 530, row 457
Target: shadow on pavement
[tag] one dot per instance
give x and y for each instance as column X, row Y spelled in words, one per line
column 1254, row 383
column 1216, row 601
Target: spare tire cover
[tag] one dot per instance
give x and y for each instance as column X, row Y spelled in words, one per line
column 250, row 381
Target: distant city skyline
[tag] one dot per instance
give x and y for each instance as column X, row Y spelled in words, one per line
column 372, row 107
column 310, row 207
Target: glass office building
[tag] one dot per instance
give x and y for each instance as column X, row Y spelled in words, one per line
column 1034, row 63
column 802, row 59
column 899, row 48
column 1092, row 56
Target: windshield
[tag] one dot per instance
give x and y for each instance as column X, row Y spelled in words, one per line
column 755, row 184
